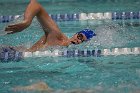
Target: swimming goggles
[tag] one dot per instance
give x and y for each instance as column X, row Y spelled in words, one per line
column 80, row 37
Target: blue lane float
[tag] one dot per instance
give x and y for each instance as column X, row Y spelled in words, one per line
column 65, row 17
column 83, row 16
column 80, row 53
column 136, row 15
column 8, row 54
column 125, row 15
column 6, row 19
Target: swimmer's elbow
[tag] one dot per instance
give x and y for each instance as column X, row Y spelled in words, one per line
column 27, row 22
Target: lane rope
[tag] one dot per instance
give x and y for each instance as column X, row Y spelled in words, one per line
column 9, row 54
column 82, row 16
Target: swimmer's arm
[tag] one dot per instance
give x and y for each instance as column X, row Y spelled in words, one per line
column 38, row 45
column 32, row 10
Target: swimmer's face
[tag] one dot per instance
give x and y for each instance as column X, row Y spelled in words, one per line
column 78, row 38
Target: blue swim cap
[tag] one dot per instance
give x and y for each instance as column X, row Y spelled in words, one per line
column 88, row 33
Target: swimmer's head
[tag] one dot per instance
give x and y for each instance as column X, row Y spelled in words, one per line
column 83, row 35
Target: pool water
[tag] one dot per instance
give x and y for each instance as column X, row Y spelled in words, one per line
column 105, row 74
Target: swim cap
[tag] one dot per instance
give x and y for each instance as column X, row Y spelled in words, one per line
column 88, row 33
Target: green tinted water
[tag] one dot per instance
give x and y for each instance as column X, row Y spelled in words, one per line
column 97, row 74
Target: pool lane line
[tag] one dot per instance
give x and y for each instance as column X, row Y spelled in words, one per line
column 9, row 54
column 82, row 16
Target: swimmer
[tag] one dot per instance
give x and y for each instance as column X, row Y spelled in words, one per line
column 40, row 86
column 53, row 36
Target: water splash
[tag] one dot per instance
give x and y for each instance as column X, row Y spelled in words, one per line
column 109, row 35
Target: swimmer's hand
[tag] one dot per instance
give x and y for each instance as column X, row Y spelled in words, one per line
column 11, row 29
